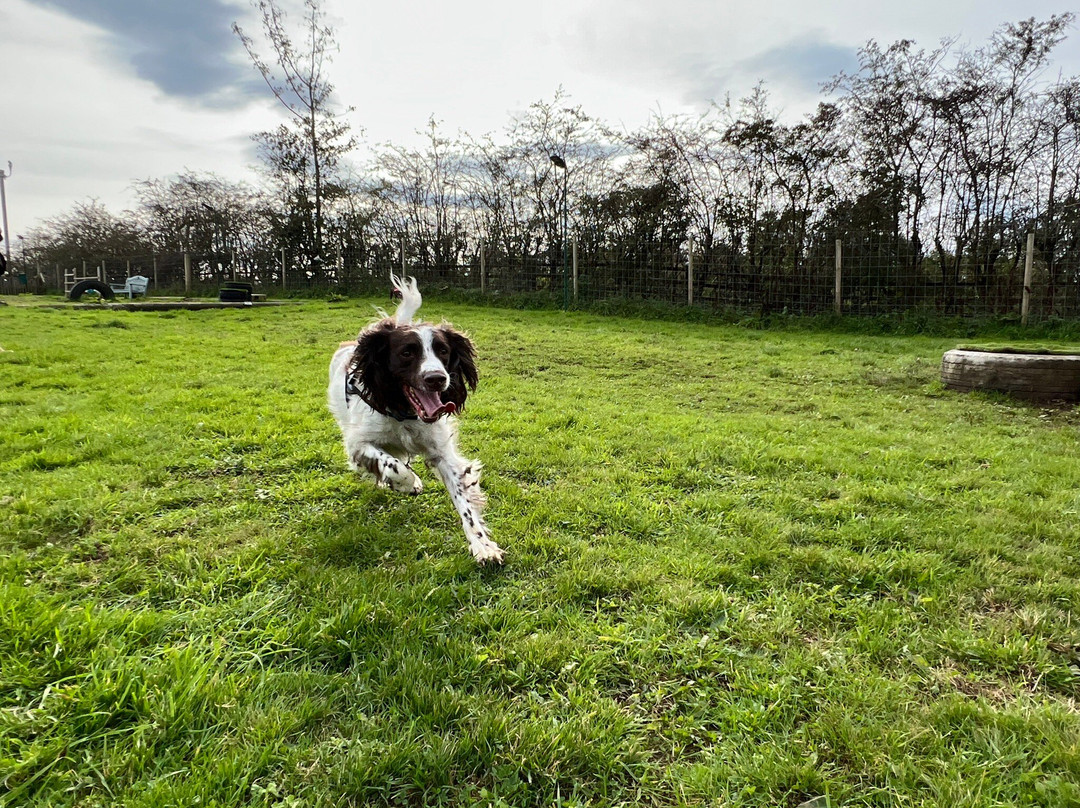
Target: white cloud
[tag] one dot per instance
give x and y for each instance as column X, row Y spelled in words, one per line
column 80, row 124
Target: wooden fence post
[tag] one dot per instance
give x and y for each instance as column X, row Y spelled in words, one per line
column 282, row 267
column 1028, row 261
column 690, row 274
column 838, row 293
column 483, row 270
column 573, row 250
column 187, row 274
column 155, row 273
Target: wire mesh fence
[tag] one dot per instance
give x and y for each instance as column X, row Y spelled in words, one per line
column 853, row 275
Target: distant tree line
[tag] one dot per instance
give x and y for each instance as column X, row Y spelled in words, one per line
column 941, row 160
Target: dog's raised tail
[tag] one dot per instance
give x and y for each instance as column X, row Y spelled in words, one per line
column 410, row 299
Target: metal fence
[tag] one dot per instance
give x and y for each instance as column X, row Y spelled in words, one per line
column 853, row 275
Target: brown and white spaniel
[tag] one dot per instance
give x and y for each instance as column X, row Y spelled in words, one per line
column 394, row 392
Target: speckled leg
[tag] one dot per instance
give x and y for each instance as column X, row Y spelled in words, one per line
column 462, row 479
column 385, row 469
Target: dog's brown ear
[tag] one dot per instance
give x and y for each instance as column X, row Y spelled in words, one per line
column 462, row 366
column 369, row 368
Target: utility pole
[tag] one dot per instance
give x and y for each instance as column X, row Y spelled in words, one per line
column 3, row 211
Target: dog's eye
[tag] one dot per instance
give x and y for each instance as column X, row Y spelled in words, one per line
column 442, row 350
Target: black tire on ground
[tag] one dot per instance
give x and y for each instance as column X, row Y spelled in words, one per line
column 1032, row 377
column 234, row 296
column 82, row 287
column 247, row 287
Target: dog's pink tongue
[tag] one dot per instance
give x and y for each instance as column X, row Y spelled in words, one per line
column 432, row 404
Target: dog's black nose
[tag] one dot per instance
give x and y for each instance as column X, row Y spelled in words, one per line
column 435, row 381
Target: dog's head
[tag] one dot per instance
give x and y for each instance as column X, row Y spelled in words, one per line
column 423, row 369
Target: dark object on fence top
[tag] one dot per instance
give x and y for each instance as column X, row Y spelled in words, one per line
column 1027, row 376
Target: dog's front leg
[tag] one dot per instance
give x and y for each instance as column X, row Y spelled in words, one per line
column 385, row 468
column 462, row 479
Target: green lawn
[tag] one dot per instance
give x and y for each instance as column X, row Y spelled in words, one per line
column 744, row 568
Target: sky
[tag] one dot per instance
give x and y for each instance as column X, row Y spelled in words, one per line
column 96, row 95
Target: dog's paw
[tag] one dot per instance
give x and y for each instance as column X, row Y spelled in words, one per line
column 407, row 484
column 485, row 551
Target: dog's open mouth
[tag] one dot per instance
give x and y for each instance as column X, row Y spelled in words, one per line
column 428, row 404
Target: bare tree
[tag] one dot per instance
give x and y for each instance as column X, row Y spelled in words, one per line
column 989, row 103
column 422, row 197
column 1057, row 183
column 303, row 153
column 202, row 213
column 894, row 135
column 88, row 231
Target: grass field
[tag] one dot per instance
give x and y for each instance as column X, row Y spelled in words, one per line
column 745, row 568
